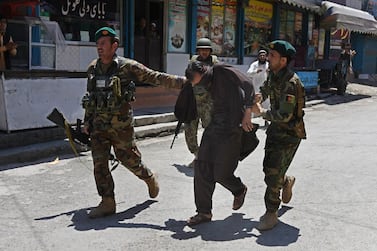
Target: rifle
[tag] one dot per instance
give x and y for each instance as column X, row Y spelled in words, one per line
column 75, row 134
column 184, row 109
column 177, row 129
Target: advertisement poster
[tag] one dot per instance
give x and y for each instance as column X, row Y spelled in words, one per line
column 204, row 10
column 177, row 30
column 258, row 18
column 230, row 31
column 217, row 29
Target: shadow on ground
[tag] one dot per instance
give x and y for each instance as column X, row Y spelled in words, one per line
column 233, row 227
column 188, row 171
column 347, row 98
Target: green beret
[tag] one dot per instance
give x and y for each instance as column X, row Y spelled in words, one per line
column 284, row 48
column 104, row 32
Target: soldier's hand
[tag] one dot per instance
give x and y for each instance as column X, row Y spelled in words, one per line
column 258, row 98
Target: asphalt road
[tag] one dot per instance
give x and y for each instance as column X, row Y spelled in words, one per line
column 44, row 205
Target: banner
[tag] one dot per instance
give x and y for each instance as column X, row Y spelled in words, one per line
column 230, row 31
column 177, row 29
column 204, row 10
column 217, row 29
column 88, row 9
column 259, row 12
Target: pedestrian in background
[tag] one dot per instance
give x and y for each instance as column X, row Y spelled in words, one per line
column 345, row 60
column 202, row 98
column 109, row 116
column 232, row 93
column 8, row 48
column 258, row 72
column 284, row 134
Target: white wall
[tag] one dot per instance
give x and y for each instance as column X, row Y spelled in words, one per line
column 25, row 103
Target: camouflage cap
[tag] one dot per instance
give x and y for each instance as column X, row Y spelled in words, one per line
column 284, row 48
column 105, row 32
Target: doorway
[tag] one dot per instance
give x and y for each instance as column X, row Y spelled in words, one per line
column 149, row 33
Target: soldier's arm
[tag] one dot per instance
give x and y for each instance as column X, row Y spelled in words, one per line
column 287, row 104
column 138, row 72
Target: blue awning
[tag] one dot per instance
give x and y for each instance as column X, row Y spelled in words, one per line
column 339, row 16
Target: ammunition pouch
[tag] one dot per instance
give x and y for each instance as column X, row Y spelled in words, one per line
column 109, row 99
column 107, row 92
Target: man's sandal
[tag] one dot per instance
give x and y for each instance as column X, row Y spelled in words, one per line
column 198, row 219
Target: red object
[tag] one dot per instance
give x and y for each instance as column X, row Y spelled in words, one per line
column 16, row 8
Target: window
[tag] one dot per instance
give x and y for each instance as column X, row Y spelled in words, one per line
column 291, row 27
column 258, row 25
column 217, row 21
column 79, row 20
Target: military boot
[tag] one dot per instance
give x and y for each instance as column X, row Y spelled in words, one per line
column 105, row 207
column 268, row 221
column 153, row 187
column 289, row 181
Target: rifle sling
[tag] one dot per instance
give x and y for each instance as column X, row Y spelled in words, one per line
column 67, row 129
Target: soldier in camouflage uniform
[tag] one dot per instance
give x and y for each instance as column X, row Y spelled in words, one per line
column 202, row 98
column 284, row 134
column 109, row 116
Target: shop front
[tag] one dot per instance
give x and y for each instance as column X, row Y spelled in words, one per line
column 349, row 25
column 298, row 23
column 55, row 39
column 55, row 45
column 239, row 29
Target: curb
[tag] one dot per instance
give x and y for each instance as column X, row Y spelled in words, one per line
column 146, row 126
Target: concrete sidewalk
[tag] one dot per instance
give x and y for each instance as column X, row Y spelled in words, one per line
column 32, row 145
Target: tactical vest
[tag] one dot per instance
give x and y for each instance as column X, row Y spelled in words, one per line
column 107, row 92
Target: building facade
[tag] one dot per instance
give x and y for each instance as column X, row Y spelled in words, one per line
column 56, row 42
column 59, row 34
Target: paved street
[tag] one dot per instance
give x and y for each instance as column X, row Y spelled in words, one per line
column 44, row 205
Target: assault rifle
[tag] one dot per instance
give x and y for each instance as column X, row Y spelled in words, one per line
column 74, row 134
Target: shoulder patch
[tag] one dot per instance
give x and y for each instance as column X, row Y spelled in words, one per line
column 290, row 98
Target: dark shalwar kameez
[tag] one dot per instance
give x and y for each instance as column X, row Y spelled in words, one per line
column 219, row 150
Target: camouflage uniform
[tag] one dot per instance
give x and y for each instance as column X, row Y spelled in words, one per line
column 285, row 132
column 109, row 114
column 204, row 105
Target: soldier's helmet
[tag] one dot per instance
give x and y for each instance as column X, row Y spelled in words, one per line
column 204, row 43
